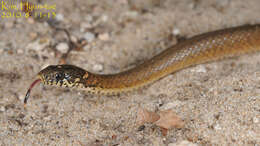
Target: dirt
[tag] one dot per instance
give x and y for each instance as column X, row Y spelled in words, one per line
column 219, row 102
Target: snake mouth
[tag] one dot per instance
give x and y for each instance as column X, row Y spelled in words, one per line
column 47, row 79
column 40, row 77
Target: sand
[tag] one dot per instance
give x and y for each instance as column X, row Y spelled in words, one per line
column 219, row 102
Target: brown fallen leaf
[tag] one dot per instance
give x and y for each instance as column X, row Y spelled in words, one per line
column 169, row 119
column 145, row 116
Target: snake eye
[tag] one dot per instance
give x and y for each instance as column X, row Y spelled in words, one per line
column 59, row 76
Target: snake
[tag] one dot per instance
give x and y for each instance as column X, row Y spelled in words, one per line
column 199, row 49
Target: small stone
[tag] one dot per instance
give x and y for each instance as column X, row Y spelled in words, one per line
column 104, row 36
column 122, row 2
column 182, row 143
column 2, row 109
column 74, row 39
column 171, row 105
column 33, row 35
column 43, row 40
column 131, row 14
column 21, row 97
column 89, row 18
column 176, row 31
column 30, row 20
column 52, row 54
column 59, row 17
column 62, row 47
column 47, row 118
column 98, row 67
column 89, row 36
column 20, row 51
column 38, row 45
column 251, row 133
column 217, row 127
column 84, row 26
column 104, row 18
column 191, row 5
column 199, row 69
column 255, row 120
column 9, row 24
column 223, row 3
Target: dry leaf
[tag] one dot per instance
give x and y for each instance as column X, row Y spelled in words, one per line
column 145, row 116
column 168, row 119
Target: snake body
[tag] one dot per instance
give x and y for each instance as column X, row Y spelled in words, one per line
column 199, row 49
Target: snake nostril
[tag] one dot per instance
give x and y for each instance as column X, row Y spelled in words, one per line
column 67, row 76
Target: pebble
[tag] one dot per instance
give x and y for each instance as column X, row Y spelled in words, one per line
column 199, row 69
column 47, row 118
column 131, row 14
column 89, row 36
column 43, row 40
column 84, row 26
column 176, row 31
column 104, row 36
column 171, row 105
column 9, row 24
column 98, row 67
column 33, row 35
column 38, row 45
column 182, row 143
column 74, row 39
column 21, row 97
column 52, row 54
column 122, row 2
column 20, row 51
column 30, row 20
column 223, row 3
column 89, row 18
column 217, row 127
column 251, row 133
column 104, row 18
column 191, row 5
column 255, row 120
column 59, row 17
column 2, row 109
column 62, row 47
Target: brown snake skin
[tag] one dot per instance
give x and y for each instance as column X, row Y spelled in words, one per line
column 196, row 50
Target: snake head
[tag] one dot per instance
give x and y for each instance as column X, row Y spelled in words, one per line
column 60, row 75
column 63, row 76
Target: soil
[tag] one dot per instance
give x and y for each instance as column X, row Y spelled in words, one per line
column 219, row 102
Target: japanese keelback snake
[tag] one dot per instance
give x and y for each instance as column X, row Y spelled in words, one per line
column 199, row 49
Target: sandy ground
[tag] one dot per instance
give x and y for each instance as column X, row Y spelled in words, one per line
column 219, row 102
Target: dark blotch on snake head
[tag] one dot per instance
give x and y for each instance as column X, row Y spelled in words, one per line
column 63, row 75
